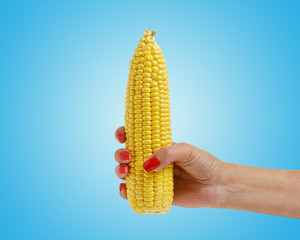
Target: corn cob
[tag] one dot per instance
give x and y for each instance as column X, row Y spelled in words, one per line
column 148, row 128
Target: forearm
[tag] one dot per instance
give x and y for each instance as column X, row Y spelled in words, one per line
column 268, row 191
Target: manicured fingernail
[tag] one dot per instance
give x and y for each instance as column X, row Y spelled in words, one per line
column 121, row 187
column 151, row 164
column 125, row 155
column 122, row 169
column 120, row 137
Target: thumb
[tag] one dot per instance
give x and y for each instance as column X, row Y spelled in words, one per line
column 178, row 152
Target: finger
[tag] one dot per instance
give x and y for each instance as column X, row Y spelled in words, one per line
column 179, row 152
column 120, row 134
column 122, row 156
column 122, row 190
column 121, row 171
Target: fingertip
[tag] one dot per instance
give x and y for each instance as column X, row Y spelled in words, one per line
column 151, row 164
column 119, row 137
column 121, row 187
column 122, row 156
column 122, row 190
column 125, row 155
column 120, row 134
column 121, row 171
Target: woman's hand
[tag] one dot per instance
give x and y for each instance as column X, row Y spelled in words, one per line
column 202, row 180
column 197, row 173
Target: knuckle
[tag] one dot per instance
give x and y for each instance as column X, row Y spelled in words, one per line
column 167, row 152
column 186, row 147
column 184, row 144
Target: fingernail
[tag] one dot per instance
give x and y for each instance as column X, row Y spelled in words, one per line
column 120, row 137
column 124, row 155
column 122, row 169
column 151, row 164
column 121, row 187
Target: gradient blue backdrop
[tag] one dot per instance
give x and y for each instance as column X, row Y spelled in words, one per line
column 234, row 78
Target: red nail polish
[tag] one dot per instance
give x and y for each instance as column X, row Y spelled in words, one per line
column 125, row 155
column 122, row 169
column 121, row 187
column 120, row 137
column 151, row 164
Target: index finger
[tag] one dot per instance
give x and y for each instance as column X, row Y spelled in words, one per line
column 120, row 134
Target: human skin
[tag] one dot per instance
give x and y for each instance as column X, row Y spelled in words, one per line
column 202, row 180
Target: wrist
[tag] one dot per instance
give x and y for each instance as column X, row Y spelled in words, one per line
column 221, row 187
column 269, row 191
column 229, row 186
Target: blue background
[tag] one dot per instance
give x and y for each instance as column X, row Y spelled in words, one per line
column 234, row 79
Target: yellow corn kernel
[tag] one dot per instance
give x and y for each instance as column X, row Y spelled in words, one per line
column 148, row 128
